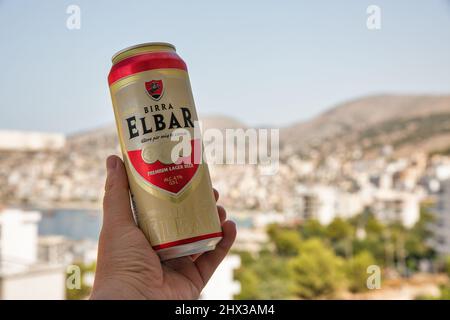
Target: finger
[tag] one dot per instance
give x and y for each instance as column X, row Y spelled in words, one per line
column 208, row 262
column 216, row 194
column 116, row 202
column 222, row 214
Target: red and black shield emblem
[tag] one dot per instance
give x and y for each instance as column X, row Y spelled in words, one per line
column 155, row 89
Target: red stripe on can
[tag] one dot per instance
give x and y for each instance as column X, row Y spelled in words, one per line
column 188, row 240
column 145, row 62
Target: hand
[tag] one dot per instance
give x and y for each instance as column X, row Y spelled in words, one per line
column 128, row 267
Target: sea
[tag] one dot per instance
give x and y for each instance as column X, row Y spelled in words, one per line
column 74, row 224
column 85, row 224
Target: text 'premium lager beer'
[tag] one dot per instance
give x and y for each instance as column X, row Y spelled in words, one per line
column 172, row 197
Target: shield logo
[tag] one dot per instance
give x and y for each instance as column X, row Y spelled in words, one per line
column 154, row 89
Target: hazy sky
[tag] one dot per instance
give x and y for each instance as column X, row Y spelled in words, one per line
column 263, row 62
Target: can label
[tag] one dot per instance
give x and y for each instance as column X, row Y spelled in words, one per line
column 148, row 115
column 170, row 188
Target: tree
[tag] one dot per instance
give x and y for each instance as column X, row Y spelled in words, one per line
column 312, row 229
column 377, row 240
column 447, row 266
column 356, row 270
column 339, row 230
column 374, row 227
column 341, row 234
column 264, row 278
column 249, row 284
column 286, row 241
column 416, row 244
column 316, row 271
column 275, row 281
column 371, row 244
column 445, row 293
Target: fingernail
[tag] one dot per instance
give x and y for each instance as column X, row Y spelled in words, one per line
column 111, row 163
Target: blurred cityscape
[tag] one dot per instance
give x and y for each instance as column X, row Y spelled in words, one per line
column 364, row 184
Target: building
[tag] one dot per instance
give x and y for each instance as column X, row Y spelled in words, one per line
column 22, row 275
column 54, row 249
column 441, row 227
column 18, row 238
column 392, row 206
column 84, row 251
column 325, row 203
column 12, row 140
column 222, row 285
column 37, row 282
column 251, row 239
column 317, row 202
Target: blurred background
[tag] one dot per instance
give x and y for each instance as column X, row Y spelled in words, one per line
column 360, row 90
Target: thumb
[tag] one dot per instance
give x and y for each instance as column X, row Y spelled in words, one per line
column 116, row 202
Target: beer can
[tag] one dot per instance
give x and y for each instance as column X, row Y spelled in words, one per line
column 172, row 198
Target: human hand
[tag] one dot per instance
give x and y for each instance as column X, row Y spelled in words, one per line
column 128, row 267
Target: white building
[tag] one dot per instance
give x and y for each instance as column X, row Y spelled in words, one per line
column 222, row 285
column 326, row 203
column 54, row 249
column 22, row 276
column 84, row 251
column 395, row 206
column 18, row 239
column 441, row 228
column 251, row 239
column 12, row 140
column 442, row 171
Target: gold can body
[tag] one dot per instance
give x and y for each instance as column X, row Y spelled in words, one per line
column 171, row 192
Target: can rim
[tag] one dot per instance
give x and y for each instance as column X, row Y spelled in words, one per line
column 117, row 56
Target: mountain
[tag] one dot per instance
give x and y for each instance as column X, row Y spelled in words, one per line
column 106, row 137
column 406, row 122
column 221, row 122
column 74, row 175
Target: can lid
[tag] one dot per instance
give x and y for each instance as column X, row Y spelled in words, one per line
column 142, row 48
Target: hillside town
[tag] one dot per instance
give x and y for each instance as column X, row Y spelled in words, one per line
column 55, row 172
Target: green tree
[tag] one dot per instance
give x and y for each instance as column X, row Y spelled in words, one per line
column 445, row 292
column 372, row 244
column 312, row 229
column 316, row 271
column 339, row 230
column 264, row 278
column 356, row 270
column 341, row 233
column 374, row 227
column 249, row 284
column 275, row 281
column 286, row 241
column 416, row 244
column 447, row 266
column 247, row 258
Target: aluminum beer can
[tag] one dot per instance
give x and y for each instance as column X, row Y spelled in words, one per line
column 172, row 198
